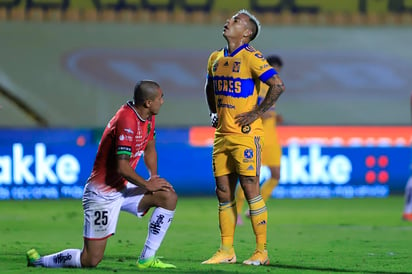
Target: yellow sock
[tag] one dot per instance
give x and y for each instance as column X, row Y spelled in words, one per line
column 267, row 188
column 227, row 223
column 240, row 199
column 259, row 217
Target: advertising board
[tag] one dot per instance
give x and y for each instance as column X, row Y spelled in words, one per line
column 314, row 163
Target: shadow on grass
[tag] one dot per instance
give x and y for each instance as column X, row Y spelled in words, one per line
column 194, row 266
column 333, row 269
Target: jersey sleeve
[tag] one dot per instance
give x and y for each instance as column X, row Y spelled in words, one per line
column 210, row 63
column 260, row 67
column 124, row 134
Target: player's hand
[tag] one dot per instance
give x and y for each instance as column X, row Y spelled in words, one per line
column 156, row 183
column 213, row 119
column 246, row 118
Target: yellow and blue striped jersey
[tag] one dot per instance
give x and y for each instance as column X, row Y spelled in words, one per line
column 236, row 81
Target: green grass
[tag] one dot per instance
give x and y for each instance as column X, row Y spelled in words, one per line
column 304, row 236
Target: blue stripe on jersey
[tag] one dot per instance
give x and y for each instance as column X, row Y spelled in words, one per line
column 269, row 73
column 226, row 51
column 233, row 87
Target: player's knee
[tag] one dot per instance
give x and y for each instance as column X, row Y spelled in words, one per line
column 275, row 173
column 172, row 197
column 276, row 176
column 223, row 195
column 167, row 199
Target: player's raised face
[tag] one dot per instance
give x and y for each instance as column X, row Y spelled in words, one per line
column 237, row 26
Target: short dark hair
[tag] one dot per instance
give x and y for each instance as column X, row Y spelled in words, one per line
column 144, row 90
column 275, row 60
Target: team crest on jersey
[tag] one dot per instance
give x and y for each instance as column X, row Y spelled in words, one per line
column 248, row 153
column 236, row 66
column 246, row 129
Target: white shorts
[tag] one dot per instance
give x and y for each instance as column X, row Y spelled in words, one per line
column 102, row 209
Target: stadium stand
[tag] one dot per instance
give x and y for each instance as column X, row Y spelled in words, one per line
column 73, row 67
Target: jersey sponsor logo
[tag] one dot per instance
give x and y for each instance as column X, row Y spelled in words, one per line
column 220, row 104
column 128, row 130
column 228, row 85
column 237, row 88
column 246, row 129
column 125, row 137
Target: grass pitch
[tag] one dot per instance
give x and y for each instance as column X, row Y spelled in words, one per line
column 304, row 236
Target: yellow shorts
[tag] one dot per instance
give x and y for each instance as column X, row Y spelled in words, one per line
column 237, row 154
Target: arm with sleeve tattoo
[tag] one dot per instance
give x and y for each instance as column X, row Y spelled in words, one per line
column 276, row 88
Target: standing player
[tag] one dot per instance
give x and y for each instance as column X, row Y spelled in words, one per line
column 114, row 185
column 271, row 152
column 407, row 210
column 234, row 76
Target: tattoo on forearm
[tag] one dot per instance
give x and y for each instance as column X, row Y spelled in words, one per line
column 272, row 96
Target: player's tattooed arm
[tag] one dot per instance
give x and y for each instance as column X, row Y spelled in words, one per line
column 276, row 88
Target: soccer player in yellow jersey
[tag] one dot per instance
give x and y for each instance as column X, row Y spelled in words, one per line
column 271, row 152
column 234, row 76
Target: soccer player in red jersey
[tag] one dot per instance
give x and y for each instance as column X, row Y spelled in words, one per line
column 114, row 186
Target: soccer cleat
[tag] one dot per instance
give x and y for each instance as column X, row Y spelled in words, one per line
column 153, row 262
column 222, row 257
column 32, row 257
column 259, row 257
column 407, row 216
